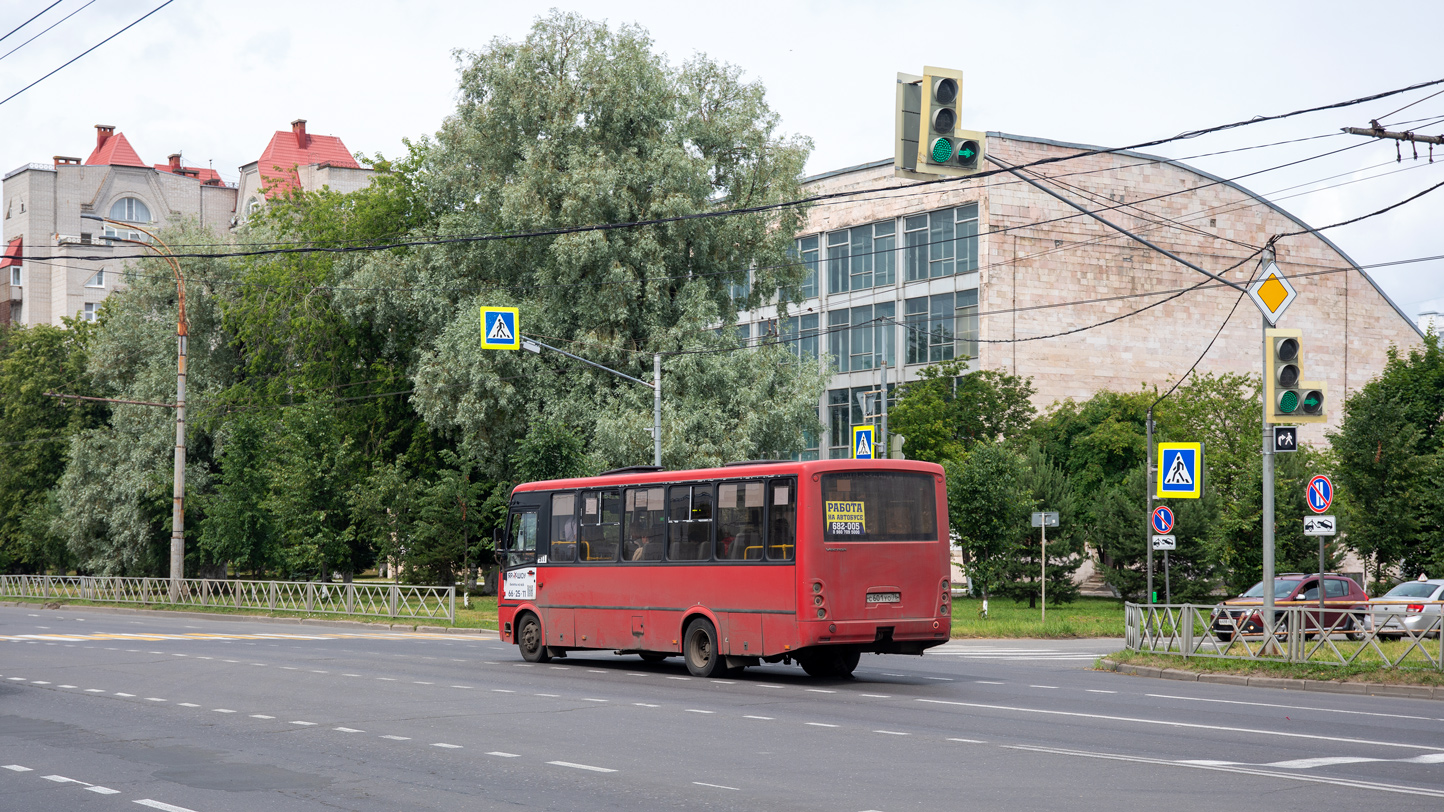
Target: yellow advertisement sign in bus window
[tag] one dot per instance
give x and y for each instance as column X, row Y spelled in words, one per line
column 846, row 518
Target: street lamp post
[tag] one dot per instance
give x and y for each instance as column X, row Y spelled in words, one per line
column 177, row 515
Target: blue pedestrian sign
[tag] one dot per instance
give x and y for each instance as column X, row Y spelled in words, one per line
column 1180, row 470
column 862, row 442
column 499, row 329
column 1162, row 520
column 1320, row 493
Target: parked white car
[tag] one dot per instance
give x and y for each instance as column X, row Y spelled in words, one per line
column 1412, row 607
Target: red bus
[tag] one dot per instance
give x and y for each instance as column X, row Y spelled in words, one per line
column 813, row 562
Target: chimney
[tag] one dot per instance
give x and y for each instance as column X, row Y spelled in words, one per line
column 175, row 165
column 299, row 128
column 103, row 132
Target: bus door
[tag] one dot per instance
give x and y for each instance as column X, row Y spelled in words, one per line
column 517, row 552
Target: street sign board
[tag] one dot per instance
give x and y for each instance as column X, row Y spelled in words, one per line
column 1272, row 294
column 1164, row 543
column 1162, row 520
column 499, row 329
column 1320, row 493
column 1286, row 438
column 862, row 442
column 1320, row 526
column 1180, row 470
column 1045, row 518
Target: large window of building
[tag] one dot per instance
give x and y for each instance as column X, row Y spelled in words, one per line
column 807, row 250
column 942, row 327
column 861, row 258
column 859, row 338
column 941, row 243
column 799, row 334
column 130, row 210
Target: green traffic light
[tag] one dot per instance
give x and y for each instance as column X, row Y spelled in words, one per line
column 942, row 150
column 1313, row 402
column 1288, row 402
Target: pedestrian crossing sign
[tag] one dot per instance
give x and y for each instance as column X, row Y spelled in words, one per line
column 862, row 442
column 1180, row 470
column 498, row 329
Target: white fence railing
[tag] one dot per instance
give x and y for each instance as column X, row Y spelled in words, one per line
column 1386, row 638
column 374, row 600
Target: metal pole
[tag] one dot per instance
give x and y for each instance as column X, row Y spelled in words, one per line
column 1167, row 588
column 178, row 512
column 1321, row 587
column 657, row 409
column 1148, row 488
column 1268, row 501
column 1043, row 570
column 882, row 430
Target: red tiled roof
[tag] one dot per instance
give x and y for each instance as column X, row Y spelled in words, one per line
column 116, row 151
column 200, row 173
column 278, row 162
column 13, row 252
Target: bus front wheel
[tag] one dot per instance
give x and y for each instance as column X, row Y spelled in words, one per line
column 529, row 640
column 699, row 649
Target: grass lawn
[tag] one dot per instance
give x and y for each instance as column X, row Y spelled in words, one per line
column 1358, row 672
column 1085, row 617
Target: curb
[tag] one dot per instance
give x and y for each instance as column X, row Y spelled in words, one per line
column 1317, row 686
column 219, row 618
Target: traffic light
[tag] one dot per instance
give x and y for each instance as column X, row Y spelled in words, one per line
column 1288, row 397
column 928, row 140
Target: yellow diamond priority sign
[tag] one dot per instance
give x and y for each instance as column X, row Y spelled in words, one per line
column 1272, row 294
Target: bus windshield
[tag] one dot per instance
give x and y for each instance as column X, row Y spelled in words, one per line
column 879, row 506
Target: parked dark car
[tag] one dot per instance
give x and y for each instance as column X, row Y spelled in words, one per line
column 1241, row 615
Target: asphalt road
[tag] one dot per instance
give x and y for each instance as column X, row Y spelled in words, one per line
column 108, row 712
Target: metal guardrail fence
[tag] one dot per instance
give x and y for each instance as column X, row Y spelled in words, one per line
column 375, row 600
column 1335, row 636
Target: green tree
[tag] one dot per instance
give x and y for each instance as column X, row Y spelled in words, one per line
column 1123, row 537
column 447, row 535
column 946, row 411
column 988, row 507
column 1384, row 447
column 1046, row 488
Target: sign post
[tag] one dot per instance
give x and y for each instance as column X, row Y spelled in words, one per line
column 1163, row 540
column 1044, row 520
column 1320, row 494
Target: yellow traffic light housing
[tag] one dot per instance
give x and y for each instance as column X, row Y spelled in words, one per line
column 928, row 141
column 1288, row 398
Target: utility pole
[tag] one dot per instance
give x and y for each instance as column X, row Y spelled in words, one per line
column 882, row 430
column 1043, row 573
column 1148, row 514
column 182, row 329
column 657, row 409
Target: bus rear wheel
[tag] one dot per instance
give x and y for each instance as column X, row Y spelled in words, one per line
column 830, row 663
column 699, row 649
column 529, row 640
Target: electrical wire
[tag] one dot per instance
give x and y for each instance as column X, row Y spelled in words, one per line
column 31, row 20
column 83, row 53
column 46, row 31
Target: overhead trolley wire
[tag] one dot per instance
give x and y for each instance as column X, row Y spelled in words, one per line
column 86, row 51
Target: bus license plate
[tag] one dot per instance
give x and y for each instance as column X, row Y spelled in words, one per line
column 884, row 597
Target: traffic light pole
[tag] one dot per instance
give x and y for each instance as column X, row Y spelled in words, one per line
column 1267, row 518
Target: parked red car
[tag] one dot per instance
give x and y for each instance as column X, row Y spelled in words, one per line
column 1341, row 594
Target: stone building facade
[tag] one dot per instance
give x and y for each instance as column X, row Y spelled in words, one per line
column 57, row 264
column 989, row 269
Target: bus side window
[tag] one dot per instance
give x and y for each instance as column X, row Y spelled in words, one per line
column 600, row 525
column 521, row 548
column 689, row 531
column 564, row 527
column 645, row 514
column 739, row 521
column 782, row 520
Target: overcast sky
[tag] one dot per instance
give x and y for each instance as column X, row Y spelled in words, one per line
column 214, row 79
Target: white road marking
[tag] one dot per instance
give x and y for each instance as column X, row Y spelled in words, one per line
column 418, row 682
column 988, row 682
column 820, row 724
column 595, row 671
column 95, row 690
column 1097, row 691
column 891, row 732
column 722, row 682
column 695, row 710
column 763, row 718
column 447, row 746
column 222, row 710
column 581, row 766
column 348, row 730
column 313, row 671
column 941, row 679
column 714, row 786
column 350, row 675
column 261, row 716
column 877, row 696
column 1190, row 725
column 681, row 678
column 104, row 790
column 968, row 741
column 164, row 807
column 553, row 696
column 17, row 679
column 638, row 675
column 289, row 668
column 387, row 679
column 820, row 691
column 645, row 705
column 398, row 738
column 39, row 682
column 502, row 691
column 500, row 754
column 128, row 696
column 17, row 768
column 154, row 699
column 60, row 779
column 586, row 699
column 461, row 686
column 1049, row 687
column 67, row 686
column 886, row 674
column 1287, row 707
column 304, row 724
column 1340, row 782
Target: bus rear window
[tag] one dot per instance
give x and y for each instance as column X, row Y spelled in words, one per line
column 879, row 507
